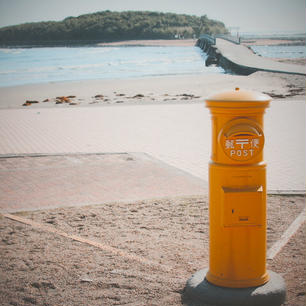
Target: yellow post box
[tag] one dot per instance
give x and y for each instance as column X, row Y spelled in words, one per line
column 237, row 192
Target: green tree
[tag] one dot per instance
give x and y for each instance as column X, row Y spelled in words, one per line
column 111, row 26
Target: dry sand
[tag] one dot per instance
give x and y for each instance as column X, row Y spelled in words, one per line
column 142, row 253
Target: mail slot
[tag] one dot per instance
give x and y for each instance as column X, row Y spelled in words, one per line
column 237, row 190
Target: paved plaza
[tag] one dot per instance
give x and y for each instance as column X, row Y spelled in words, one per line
column 90, row 155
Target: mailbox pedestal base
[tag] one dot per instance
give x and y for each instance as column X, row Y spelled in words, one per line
column 200, row 291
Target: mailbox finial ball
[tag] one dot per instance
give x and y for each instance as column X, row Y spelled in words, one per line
column 240, row 95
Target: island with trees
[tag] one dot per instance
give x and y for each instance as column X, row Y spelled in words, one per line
column 108, row 26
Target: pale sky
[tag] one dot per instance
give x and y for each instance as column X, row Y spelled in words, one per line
column 249, row 15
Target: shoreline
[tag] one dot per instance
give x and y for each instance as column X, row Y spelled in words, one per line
column 72, row 44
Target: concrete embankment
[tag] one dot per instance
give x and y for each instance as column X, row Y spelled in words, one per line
column 238, row 59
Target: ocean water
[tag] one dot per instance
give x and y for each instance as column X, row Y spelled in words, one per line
column 42, row 65
column 280, row 51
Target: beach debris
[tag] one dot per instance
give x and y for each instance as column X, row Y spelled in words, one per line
column 296, row 91
column 191, row 96
column 139, row 96
column 73, row 100
column 274, row 95
column 186, row 96
column 170, row 99
column 291, row 93
column 29, row 102
column 62, row 99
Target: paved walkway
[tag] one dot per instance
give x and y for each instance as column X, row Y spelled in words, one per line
column 242, row 56
column 39, row 182
column 178, row 135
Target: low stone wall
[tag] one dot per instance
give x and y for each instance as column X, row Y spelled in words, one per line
column 214, row 57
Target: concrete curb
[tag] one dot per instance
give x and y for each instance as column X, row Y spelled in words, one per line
column 200, row 292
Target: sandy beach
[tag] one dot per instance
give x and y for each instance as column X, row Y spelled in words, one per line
column 156, row 90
